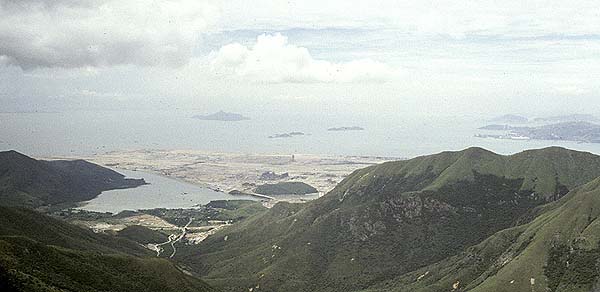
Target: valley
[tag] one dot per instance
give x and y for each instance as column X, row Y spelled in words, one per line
column 299, row 146
column 469, row 220
column 449, row 217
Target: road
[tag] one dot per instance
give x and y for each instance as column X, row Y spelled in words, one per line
column 173, row 238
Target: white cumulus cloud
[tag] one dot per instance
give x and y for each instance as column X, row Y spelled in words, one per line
column 272, row 59
column 82, row 33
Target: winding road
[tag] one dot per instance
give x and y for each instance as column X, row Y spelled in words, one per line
column 173, row 238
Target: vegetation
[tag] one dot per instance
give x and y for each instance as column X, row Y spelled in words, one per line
column 39, row 253
column 558, row 250
column 232, row 211
column 454, row 214
column 456, row 221
column 31, row 266
column 27, row 182
column 286, row 188
column 50, row 231
column 571, row 269
column 141, row 234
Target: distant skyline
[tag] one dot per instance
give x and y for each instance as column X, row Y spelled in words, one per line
column 404, row 57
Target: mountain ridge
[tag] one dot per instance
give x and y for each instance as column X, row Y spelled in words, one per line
column 25, row 181
column 406, row 214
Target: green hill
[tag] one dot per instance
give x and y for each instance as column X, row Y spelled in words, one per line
column 30, row 224
column 39, row 253
column 286, row 188
column 28, row 182
column 559, row 250
column 389, row 220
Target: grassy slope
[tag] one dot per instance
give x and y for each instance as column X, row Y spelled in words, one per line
column 387, row 220
column 50, row 231
column 508, row 260
column 39, row 253
column 540, row 169
column 32, row 266
column 573, row 223
column 141, row 234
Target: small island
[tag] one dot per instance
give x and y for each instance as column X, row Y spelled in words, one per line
column 510, row 119
column 221, row 116
column 286, row 135
column 340, row 129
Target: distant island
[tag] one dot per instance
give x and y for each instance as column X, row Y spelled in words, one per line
column 510, row 119
column 221, row 116
column 354, row 128
column 569, row 131
column 286, row 135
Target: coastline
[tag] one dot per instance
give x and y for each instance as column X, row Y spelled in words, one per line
column 225, row 172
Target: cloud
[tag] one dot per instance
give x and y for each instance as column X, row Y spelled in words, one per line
column 570, row 90
column 273, row 60
column 72, row 34
column 452, row 18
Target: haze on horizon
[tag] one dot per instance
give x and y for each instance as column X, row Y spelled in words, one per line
column 400, row 57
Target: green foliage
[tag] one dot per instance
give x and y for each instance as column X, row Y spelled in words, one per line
column 142, row 234
column 557, row 263
column 229, row 204
column 50, row 231
column 439, row 213
column 40, row 253
column 32, row 266
column 286, row 188
column 26, row 182
column 233, row 211
column 570, row 269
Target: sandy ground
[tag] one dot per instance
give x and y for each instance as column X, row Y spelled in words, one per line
column 116, row 224
column 236, row 171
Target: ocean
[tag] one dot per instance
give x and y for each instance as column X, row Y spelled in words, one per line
column 81, row 133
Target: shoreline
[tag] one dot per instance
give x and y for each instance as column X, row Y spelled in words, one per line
column 225, row 172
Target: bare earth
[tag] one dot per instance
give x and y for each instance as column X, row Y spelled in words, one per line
column 237, row 171
column 116, row 224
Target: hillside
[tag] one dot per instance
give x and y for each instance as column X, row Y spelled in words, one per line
column 39, row 253
column 141, row 234
column 559, row 250
column 28, row 182
column 388, row 220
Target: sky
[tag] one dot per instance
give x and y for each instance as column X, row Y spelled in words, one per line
column 400, row 57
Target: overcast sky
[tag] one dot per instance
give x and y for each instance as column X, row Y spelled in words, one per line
column 425, row 57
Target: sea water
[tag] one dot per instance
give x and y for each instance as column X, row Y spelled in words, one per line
column 76, row 133
column 160, row 192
